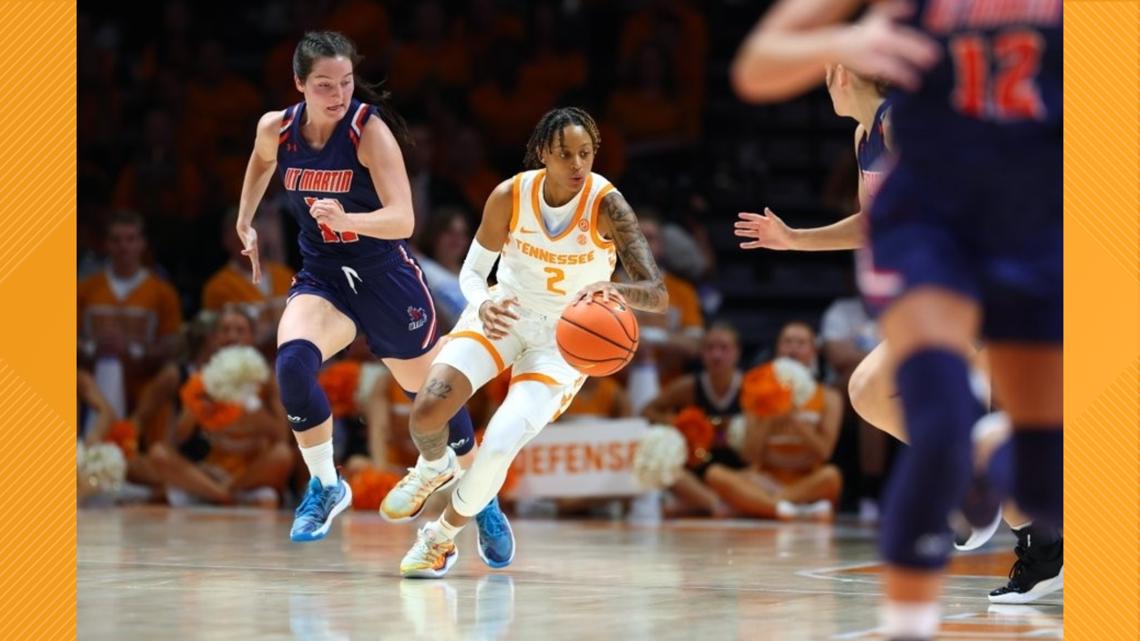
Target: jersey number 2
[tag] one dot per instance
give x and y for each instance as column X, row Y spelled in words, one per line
column 556, row 276
column 1012, row 94
column 329, row 235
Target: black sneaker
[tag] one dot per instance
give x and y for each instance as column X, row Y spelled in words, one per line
column 1037, row 572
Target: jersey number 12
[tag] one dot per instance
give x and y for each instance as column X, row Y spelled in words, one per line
column 1011, row 93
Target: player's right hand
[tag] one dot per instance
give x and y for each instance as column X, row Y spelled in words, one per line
column 248, row 236
column 879, row 47
column 766, row 231
column 497, row 317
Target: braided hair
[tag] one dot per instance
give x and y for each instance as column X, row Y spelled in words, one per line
column 550, row 126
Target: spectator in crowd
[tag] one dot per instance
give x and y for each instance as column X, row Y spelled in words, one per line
column 711, row 394
column 443, row 248
column 432, row 57
column 680, row 29
column 670, row 340
column 233, row 285
column 221, row 453
column 645, row 105
column 128, row 316
column 553, row 66
column 430, row 189
column 789, row 475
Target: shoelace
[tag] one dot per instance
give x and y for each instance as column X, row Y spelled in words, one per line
column 1018, row 568
column 492, row 522
column 425, row 547
column 311, row 502
column 409, row 478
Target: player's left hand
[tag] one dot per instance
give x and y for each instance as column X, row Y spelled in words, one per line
column 330, row 213
column 605, row 288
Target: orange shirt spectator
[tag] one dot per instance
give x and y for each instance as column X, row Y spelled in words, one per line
column 431, row 57
column 126, row 307
column 221, row 97
column 158, row 182
column 645, row 107
column 684, row 312
column 233, row 285
column 601, row 398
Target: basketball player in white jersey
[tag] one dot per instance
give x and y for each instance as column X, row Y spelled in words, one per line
column 557, row 231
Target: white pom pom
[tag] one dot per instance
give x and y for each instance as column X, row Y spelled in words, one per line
column 794, row 376
column 737, row 430
column 660, row 457
column 101, row 466
column 234, row 374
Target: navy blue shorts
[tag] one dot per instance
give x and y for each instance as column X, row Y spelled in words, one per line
column 996, row 241
column 388, row 300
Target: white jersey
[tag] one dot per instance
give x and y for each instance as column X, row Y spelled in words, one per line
column 543, row 269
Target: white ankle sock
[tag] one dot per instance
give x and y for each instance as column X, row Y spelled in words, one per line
column 319, row 460
column 437, row 465
column 444, row 529
column 910, row 620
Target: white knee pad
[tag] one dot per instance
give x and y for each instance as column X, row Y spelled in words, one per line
column 529, row 406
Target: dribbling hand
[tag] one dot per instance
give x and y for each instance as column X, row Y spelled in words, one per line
column 605, row 288
column 497, row 317
column 767, row 231
column 248, row 236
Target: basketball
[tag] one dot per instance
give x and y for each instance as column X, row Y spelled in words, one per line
column 597, row 337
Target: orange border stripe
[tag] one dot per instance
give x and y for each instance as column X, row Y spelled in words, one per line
column 535, row 376
column 482, row 340
column 516, row 196
column 37, row 347
column 595, row 234
column 1102, row 317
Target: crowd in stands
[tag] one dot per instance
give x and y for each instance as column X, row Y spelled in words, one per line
column 167, row 110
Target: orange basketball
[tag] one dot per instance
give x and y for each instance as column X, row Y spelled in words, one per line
column 597, row 338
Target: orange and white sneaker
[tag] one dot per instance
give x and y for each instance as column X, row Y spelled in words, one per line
column 407, row 499
column 431, row 556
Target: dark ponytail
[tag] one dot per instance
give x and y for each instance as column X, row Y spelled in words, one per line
column 315, row 45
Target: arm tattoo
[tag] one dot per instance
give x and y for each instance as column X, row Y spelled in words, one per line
column 647, row 291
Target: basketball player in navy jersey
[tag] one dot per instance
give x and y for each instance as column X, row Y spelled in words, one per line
column 1038, row 569
column 346, row 186
column 965, row 238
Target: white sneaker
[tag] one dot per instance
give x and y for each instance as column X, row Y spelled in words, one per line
column 786, row 510
column 430, row 557
column 407, row 499
column 821, row 510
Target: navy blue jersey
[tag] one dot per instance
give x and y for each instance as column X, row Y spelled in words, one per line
column 332, row 172
column 871, row 153
column 997, row 86
column 973, row 203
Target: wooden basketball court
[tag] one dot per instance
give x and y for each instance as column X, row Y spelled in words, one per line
column 229, row 575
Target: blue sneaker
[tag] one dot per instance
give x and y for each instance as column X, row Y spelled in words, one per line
column 315, row 514
column 496, row 539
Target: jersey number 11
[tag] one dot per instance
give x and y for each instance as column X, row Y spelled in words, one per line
column 329, row 235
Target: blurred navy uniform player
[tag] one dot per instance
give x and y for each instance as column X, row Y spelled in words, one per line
column 965, row 240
